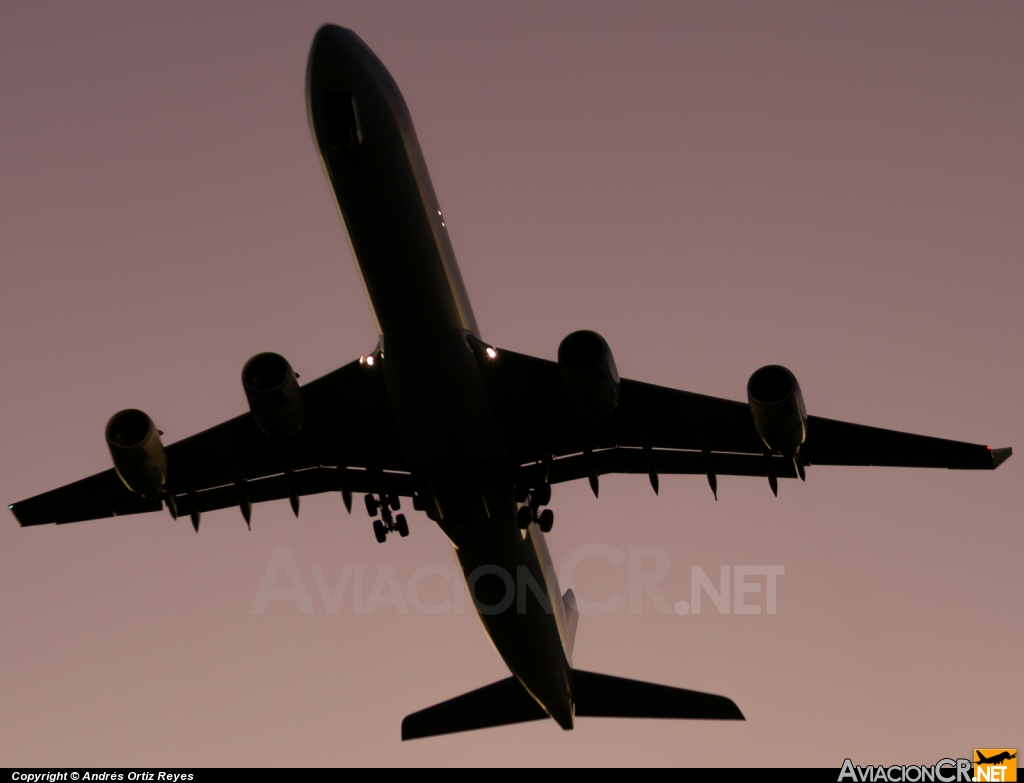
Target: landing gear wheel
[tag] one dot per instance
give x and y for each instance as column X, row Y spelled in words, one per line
column 401, row 525
column 380, row 531
column 542, row 495
column 524, row 517
column 395, row 502
column 547, row 519
column 371, row 505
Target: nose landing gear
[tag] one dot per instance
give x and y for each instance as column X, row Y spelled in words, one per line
column 387, row 523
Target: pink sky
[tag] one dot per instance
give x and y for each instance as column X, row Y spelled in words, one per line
column 713, row 187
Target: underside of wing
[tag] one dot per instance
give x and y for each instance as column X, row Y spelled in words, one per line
column 97, row 497
column 347, row 442
column 832, row 442
column 655, row 430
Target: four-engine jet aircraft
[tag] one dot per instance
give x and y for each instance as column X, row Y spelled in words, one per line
column 474, row 435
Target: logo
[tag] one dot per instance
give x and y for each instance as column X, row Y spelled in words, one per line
column 995, row 764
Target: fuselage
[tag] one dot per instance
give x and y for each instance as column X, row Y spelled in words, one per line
column 429, row 351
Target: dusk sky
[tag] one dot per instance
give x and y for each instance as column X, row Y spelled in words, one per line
column 838, row 188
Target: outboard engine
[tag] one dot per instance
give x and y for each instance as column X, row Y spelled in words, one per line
column 139, row 456
column 589, row 372
column 272, row 389
column 777, row 406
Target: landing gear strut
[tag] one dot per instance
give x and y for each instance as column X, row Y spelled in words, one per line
column 387, row 523
column 530, row 511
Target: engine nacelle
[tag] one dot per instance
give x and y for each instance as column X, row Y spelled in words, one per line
column 589, row 372
column 777, row 406
column 139, row 456
column 272, row 389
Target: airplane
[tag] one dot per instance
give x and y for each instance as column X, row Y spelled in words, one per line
column 999, row 758
column 472, row 434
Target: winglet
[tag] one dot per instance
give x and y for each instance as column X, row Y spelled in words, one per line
column 999, row 456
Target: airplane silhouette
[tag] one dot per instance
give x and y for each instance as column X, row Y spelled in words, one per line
column 474, row 435
column 996, row 759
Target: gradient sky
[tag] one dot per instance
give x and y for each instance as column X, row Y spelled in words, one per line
column 713, row 187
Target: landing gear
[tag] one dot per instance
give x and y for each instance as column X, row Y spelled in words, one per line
column 524, row 517
column 387, row 523
column 547, row 519
column 530, row 512
column 371, row 505
column 541, row 496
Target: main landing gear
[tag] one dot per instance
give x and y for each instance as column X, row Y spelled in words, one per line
column 530, row 511
column 387, row 523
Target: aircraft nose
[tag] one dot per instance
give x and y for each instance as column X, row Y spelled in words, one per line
column 335, row 72
column 348, row 89
column 338, row 47
column 331, row 35
column 330, row 45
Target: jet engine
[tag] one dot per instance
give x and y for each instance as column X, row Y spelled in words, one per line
column 589, row 372
column 777, row 406
column 272, row 389
column 139, row 456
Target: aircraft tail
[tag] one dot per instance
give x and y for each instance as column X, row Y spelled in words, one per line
column 498, row 704
column 604, row 696
column 572, row 619
column 596, row 695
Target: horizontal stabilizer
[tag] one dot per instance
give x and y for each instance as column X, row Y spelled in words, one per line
column 603, row 696
column 595, row 695
column 498, row 704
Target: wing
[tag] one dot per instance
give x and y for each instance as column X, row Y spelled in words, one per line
column 658, row 430
column 348, row 442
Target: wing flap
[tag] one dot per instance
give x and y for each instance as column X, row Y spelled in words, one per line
column 311, row 481
column 660, row 461
column 104, row 495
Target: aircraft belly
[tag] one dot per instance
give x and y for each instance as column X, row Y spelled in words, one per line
column 438, row 398
column 364, row 134
column 515, row 591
